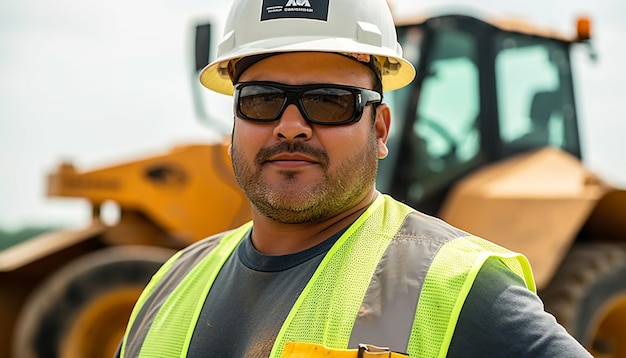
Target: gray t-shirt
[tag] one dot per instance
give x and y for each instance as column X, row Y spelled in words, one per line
column 254, row 293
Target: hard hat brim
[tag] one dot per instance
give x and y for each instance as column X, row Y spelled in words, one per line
column 215, row 75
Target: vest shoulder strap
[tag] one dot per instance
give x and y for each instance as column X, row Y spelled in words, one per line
column 171, row 331
column 446, row 286
column 326, row 310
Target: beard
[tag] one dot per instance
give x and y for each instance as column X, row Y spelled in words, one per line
column 291, row 201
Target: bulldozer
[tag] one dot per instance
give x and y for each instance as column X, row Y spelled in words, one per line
column 486, row 137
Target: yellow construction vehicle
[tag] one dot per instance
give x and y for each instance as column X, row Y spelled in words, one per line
column 69, row 294
column 486, row 137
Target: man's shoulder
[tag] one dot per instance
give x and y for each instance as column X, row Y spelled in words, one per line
column 421, row 226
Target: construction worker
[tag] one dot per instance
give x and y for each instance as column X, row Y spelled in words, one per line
column 328, row 266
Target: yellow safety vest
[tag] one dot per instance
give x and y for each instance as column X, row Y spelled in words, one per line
column 323, row 317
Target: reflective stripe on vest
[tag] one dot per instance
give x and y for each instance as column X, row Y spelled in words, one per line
column 327, row 309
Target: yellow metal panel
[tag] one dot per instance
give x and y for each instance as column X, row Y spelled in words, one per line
column 534, row 204
column 189, row 192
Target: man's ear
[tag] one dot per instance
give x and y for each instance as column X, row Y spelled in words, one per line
column 230, row 142
column 382, row 126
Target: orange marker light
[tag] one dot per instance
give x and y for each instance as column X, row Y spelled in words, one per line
column 583, row 28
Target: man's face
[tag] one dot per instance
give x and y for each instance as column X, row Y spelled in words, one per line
column 297, row 172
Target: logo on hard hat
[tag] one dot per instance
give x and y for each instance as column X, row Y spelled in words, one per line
column 308, row 9
column 299, row 3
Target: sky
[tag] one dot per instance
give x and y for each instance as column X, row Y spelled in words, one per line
column 100, row 83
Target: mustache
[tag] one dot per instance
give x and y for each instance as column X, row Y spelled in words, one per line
column 291, row 147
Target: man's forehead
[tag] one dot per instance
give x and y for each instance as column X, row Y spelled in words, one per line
column 289, row 60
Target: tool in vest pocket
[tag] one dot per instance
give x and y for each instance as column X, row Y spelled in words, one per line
column 311, row 350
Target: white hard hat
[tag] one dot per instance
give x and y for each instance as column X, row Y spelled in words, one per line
column 256, row 27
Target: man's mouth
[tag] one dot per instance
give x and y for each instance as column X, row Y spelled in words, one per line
column 292, row 154
column 293, row 157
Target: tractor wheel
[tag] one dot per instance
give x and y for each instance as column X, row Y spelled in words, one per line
column 82, row 310
column 587, row 296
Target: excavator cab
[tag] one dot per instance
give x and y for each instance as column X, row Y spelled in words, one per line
column 482, row 94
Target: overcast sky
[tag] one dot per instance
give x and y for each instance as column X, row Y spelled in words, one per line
column 97, row 83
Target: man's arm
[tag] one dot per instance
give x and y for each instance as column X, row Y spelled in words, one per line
column 502, row 318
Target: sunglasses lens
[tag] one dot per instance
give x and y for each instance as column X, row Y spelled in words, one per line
column 320, row 104
column 260, row 102
column 329, row 105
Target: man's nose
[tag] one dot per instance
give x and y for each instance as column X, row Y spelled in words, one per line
column 292, row 125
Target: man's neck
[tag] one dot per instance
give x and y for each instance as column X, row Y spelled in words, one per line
column 275, row 238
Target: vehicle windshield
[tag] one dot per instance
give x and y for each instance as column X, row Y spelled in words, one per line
column 534, row 91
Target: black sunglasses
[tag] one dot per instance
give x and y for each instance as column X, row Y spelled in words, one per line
column 326, row 104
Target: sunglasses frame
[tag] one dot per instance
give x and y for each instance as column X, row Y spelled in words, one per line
column 293, row 95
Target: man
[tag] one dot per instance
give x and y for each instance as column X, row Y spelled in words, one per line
column 329, row 266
